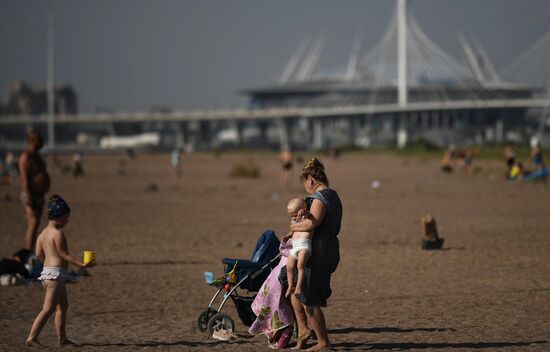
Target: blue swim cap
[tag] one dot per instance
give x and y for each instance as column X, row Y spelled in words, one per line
column 57, row 207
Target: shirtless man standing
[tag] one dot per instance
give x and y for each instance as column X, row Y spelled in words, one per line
column 35, row 182
column 286, row 159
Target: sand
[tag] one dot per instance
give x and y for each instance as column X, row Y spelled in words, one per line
column 489, row 290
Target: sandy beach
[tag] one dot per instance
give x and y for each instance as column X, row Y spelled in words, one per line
column 488, row 290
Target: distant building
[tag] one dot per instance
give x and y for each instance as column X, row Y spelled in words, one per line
column 23, row 99
column 325, row 93
column 405, row 88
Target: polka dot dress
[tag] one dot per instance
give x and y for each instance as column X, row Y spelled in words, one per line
column 325, row 252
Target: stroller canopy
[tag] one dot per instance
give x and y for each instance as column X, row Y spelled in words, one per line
column 267, row 247
column 255, row 270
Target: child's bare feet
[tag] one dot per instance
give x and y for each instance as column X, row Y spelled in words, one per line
column 66, row 342
column 289, row 291
column 32, row 343
column 302, row 340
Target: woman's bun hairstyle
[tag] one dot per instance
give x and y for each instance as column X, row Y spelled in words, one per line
column 315, row 169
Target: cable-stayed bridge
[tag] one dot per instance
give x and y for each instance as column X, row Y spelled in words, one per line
column 404, row 88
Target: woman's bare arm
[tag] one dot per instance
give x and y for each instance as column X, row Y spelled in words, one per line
column 316, row 213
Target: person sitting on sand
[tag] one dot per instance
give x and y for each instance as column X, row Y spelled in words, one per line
column 517, row 172
column 509, row 157
column 301, row 245
column 539, row 171
column 53, row 251
column 35, row 181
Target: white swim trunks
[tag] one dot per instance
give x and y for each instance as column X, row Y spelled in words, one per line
column 299, row 245
column 53, row 273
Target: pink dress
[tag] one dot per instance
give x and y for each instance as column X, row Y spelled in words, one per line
column 273, row 310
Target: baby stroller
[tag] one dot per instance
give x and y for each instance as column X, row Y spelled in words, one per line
column 241, row 274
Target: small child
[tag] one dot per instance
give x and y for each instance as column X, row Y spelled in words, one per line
column 52, row 250
column 301, row 245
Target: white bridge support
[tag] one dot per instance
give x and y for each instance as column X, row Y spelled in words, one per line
column 193, row 128
column 402, row 134
column 284, row 138
column 402, row 52
column 239, row 129
column 499, row 131
column 318, row 134
column 180, row 135
column 354, row 125
column 110, row 129
column 263, row 126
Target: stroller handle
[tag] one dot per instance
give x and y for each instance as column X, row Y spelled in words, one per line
column 259, row 271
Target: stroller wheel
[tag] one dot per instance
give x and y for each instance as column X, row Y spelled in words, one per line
column 204, row 317
column 220, row 321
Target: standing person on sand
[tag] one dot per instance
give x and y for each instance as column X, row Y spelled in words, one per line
column 35, row 183
column 175, row 161
column 325, row 209
column 53, row 251
column 287, row 161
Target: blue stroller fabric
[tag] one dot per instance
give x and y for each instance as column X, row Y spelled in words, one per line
column 266, row 249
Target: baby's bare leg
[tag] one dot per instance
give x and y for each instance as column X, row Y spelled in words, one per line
column 61, row 316
column 51, row 299
column 303, row 257
column 290, row 265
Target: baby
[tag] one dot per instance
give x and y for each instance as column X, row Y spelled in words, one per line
column 52, row 250
column 301, row 245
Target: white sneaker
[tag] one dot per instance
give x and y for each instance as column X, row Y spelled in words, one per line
column 223, row 335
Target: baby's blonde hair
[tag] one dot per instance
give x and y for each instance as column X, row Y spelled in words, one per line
column 295, row 204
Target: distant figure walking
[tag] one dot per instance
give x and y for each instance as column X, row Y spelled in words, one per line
column 467, row 158
column 35, row 183
column 447, row 161
column 175, row 161
column 9, row 171
column 287, row 162
column 78, row 170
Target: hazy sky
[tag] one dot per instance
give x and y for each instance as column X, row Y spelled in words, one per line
column 129, row 55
